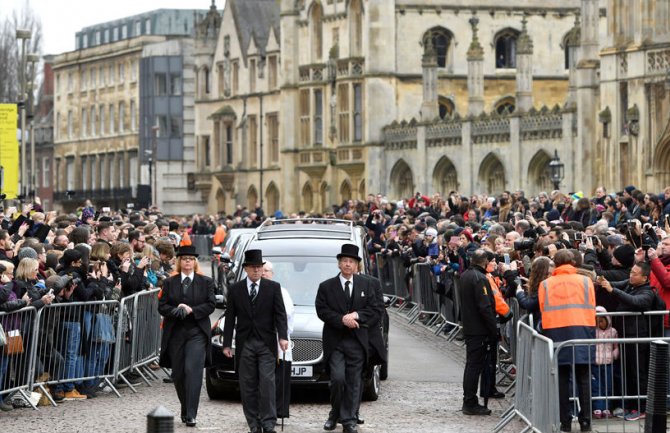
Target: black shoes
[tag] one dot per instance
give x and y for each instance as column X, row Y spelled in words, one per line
column 476, row 410
column 190, row 422
column 566, row 427
column 497, row 394
column 350, row 429
column 585, row 426
column 330, row 424
column 359, row 419
column 272, row 430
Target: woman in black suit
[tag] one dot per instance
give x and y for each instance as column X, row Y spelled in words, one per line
column 186, row 301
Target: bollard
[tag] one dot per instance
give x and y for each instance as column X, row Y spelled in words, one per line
column 160, row 420
column 656, row 419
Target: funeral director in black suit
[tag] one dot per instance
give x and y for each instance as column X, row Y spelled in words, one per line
column 347, row 306
column 258, row 306
column 186, row 301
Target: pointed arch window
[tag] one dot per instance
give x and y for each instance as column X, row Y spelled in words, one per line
column 446, row 107
column 441, row 41
column 505, row 43
column 356, row 27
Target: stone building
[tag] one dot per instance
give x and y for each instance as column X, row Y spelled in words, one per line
column 388, row 96
column 237, row 107
column 123, row 78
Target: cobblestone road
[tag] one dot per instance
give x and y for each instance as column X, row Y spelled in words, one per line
column 422, row 394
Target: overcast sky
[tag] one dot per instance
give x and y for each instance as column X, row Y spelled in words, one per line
column 61, row 19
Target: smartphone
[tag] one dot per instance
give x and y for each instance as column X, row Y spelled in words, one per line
column 579, row 236
column 51, row 292
column 106, row 209
column 667, row 220
column 506, row 257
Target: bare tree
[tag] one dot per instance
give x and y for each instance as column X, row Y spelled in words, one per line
column 10, row 52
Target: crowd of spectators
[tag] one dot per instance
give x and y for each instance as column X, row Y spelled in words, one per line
column 108, row 255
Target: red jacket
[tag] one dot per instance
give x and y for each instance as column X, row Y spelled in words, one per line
column 660, row 278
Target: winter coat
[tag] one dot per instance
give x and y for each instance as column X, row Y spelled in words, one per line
column 606, row 353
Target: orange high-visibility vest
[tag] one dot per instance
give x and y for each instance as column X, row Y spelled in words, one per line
column 567, row 299
column 502, row 309
column 185, row 240
column 219, row 235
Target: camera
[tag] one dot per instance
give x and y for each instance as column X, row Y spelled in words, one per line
column 524, row 244
column 579, row 236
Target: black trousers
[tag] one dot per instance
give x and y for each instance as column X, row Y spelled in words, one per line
column 257, row 384
column 636, row 359
column 346, row 369
column 187, row 349
column 583, row 381
column 475, row 347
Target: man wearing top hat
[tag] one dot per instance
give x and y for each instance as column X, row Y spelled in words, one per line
column 347, row 306
column 258, row 306
column 187, row 299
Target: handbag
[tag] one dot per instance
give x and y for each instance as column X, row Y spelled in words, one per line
column 14, row 345
column 103, row 329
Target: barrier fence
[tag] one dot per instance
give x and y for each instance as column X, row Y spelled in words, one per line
column 79, row 343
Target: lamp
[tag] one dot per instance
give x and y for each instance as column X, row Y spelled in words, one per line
column 556, row 170
column 23, row 35
column 33, row 59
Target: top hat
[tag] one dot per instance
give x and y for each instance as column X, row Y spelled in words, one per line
column 349, row 250
column 253, row 258
column 187, row 250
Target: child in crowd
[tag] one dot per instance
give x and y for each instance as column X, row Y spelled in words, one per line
column 601, row 376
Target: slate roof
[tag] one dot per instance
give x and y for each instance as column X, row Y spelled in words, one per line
column 255, row 19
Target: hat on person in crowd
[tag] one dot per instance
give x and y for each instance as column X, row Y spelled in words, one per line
column 600, row 208
column 577, row 195
column 69, row 257
column 420, row 227
column 625, row 254
column 349, row 250
column 40, row 285
column 458, row 231
column 430, row 221
column 629, row 189
column 253, row 258
column 27, row 252
column 57, row 282
column 553, row 215
column 187, row 250
column 431, row 232
column 615, row 240
column 279, row 214
column 104, row 218
column 467, row 234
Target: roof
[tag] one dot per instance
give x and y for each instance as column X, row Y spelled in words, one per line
column 255, row 19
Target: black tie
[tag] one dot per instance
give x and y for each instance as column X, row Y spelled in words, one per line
column 184, row 285
column 253, row 293
column 347, row 291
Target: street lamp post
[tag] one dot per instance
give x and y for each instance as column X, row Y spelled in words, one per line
column 32, row 59
column 23, row 35
column 556, row 170
column 152, row 161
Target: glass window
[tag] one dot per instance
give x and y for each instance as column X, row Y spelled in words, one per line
column 175, row 127
column 83, row 79
column 46, row 171
column 106, row 38
column 138, row 28
column 111, row 75
column 115, row 34
column 162, row 123
column 112, row 121
column 84, row 40
column 85, row 170
column 69, row 173
column 133, row 70
column 84, row 121
column 97, row 37
column 124, row 32
column 133, row 115
column 93, row 123
column 102, row 76
column 175, row 84
column 160, row 82
column 93, row 75
column 122, row 115
column 318, row 117
column 101, row 118
column 122, row 72
column 358, row 112
column 69, row 124
column 147, row 26
column 229, row 144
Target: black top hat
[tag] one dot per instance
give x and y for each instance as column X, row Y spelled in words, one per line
column 349, row 250
column 253, row 258
column 187, row 250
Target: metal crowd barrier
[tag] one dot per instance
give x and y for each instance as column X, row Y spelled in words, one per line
column 427, row 300
column 392, row 273
column 537, row 362
column 202, row 244
column 17, row 356
column 450, row 309
column 134, row 313
column 146, row 342
column 74, row 341
column 534, row 401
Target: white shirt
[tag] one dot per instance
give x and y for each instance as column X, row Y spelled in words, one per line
column 290, row 312
column 351, row 284
column 183, row 276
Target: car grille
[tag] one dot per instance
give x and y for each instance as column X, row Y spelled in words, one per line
column 305, row 350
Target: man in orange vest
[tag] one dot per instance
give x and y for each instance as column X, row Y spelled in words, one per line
column 568, row 305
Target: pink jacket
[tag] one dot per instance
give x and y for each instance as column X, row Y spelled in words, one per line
column 606, row 353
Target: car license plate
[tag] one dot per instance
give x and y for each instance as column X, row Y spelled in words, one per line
column 301, row 371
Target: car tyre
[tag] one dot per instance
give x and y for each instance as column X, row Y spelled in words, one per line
column 372, row 385
column 384, row 371
column 218, row 391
